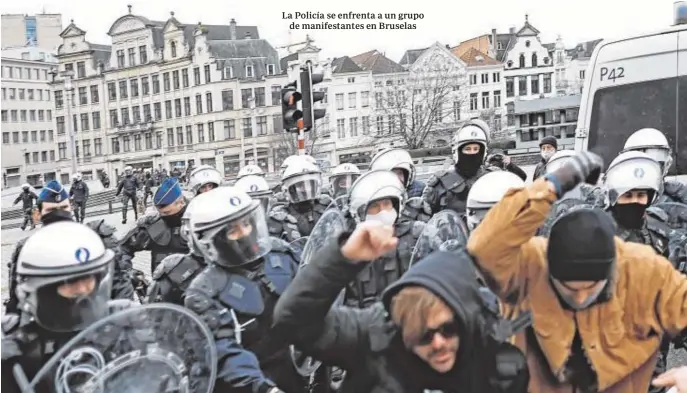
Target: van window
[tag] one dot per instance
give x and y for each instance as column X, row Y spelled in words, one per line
column 619, row 111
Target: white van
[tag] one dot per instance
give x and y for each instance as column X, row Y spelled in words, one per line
column 635, row 83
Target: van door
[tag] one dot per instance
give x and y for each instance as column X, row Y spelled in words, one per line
column 680, row 148
column 634, row 85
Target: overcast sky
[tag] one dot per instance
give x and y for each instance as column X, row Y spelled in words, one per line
column 446, row 21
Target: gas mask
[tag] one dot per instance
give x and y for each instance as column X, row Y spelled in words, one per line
column 386, row 217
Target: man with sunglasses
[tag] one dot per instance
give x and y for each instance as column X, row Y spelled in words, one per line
column 430, row 331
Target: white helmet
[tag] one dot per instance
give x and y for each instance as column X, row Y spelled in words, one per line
column 185, row 229
column 559, row 159
column 486, row 192
column 26, row 186
column 301, row 180
column 474, row 131
column 61, row 253
column 77, row 176
column 342, row 177
column 128, row 170
column 202, row 176
column 371, row 187
column 652, row 142
column 251, row 169
column 633, row 170
column 390, row 159
column 257, row 188
column 229, row 227
column 288, row 160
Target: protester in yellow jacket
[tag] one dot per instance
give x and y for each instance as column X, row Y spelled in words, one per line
column 600, row 306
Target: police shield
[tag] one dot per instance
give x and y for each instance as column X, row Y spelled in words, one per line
column 340, row 203
column 677, row 214
column 446, row 231
column 152, row 348
column 330, row 225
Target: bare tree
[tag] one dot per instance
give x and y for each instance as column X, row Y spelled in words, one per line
column 493, row 119
column 427, row 101
column 285, row 144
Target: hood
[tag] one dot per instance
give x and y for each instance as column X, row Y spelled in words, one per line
column 453, row 278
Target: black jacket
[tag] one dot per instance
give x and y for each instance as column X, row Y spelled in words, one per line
column 366, row 343
column 79, row 191
column 540, row 169
column 128, row 185
column 26, row 198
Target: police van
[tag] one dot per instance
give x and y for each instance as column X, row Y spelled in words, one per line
column 634, row 83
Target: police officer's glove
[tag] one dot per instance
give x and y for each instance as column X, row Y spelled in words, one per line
column 585, row 167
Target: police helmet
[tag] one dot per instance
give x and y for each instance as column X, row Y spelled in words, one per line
column 486, row 192
column 65, row 277
column 342, row 177
column 301, row 180
column 374, row 186
column 257, row 188
column 202, row 176
column 25, row 186
column 128, row 170
column 251, row 169
column 474, row 131
column 185, row 229
column 559, row 159
column 390, row 159
column 633, row 170
column 77, row 176
column 652, row 142
column 229, row 227
column 294, row 158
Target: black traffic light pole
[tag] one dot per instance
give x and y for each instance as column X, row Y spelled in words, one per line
column 295, row 120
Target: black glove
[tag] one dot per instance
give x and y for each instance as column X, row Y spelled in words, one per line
column 585, row 167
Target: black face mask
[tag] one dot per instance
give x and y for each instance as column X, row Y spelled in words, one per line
column 174, row 220
column 629, row 215
column 57, row 216
column 468, row 164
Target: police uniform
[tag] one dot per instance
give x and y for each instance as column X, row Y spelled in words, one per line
column 172, row 277
column 416, row 209
column 674, row 191
column 379, row 274
column 27, row 197
column 282, row 225
column 305, row 222
column 237, row 304
column 448, row 189
column 153, row 233
column 587, row 197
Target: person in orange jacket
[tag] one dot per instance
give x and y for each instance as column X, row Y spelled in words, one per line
column 600, row 306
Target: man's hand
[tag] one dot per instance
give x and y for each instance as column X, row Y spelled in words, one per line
column 675, row 378
column 506, row 160
column 584, row 166
column 369, row 241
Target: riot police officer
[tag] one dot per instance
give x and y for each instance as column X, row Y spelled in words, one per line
column 65, row 276
column 301, row 183
column 159, row 230
column 448, row 189
column 128, row 187
column 174, row 274
column 250, row 169
column 654, row 143
column 148, row 184
column 235, row 295
column 78, row 193
column 280, row 223
column 379, row 196
column 53, row 206
column 204, row 178
column 486, row 192
column 342, row 178
column 26, row 197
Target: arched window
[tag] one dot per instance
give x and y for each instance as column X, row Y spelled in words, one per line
column 173, row 47
column 534, row 59
column 522, row 60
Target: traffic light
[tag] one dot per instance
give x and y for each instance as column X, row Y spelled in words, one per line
column 289, row 108
column 310, row 97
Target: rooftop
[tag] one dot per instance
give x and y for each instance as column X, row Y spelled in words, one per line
column 546, row 104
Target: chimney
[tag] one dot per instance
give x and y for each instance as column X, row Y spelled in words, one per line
column 494, row 45
column 232, row 29
column 511, row 31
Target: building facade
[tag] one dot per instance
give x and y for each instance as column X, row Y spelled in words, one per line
column 168, row 95
column 571, row 65
column 28, row 132
column 42, row 31
column 536, row 119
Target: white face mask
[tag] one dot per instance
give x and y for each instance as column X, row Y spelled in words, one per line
column 547, row 154
column 386, row 217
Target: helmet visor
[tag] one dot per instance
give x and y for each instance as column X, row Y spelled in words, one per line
column 242, row 240
column 341, row 183
column 304, row 188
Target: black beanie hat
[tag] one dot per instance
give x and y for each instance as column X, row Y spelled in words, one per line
column 549, row 140
column 582, row 246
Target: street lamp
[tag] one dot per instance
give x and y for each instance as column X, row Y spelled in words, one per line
column 69, row 89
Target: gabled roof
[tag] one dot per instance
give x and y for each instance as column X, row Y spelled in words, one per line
column 476, row 58
column 584, row 50
column 343, row 65
column 72, row 29
column 410, row 56
column 375, row 62
column 527, row 29
column 507, row 42
column 240, row 49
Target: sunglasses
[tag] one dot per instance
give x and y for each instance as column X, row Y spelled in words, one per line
column 447, row 330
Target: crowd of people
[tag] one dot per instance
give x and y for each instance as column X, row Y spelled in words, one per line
column 477, row 281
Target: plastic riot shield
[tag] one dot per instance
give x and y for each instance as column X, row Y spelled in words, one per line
column 445, row 231
column 340, row 203
column 677, row 214
column 299, row 244
column 330, row 226
column 152, row 348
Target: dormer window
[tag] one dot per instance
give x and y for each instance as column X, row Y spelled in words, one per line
column 228, row 72
column 270, row 69
column 173, row 48
column 249, row 71
column 546, row 60
column 510, row 63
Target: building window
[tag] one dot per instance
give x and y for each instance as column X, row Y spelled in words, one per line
column 145, row 88
column 510, row 92
column 83, row 96
column 497, row 98
column 534, row 59
column 261, row 122
column 341, row 128
column 95, row 97
column 59, row 103
column 259, row 97
column 247, row 124
column 366, row 125
column 353, row 125
column 208, row 102
column 149, row 140
column 114, row 120
column 168, row 109
column 277, row 123
column 270, row 69
column 62, row 150
column 522, row 60
column 246, row 95
column 156, row 84
column 522, row 86
column 126, row 143
column 206, row 68
column 170, row 137
column 227, row 100
column 456, row 110
column 187, row 106
column 276, row 95
column 249, row 71
column 211, row 132
column 485, row 100
column 473, row 79
column 123, row 93
column 547, row 83
column 352, row 100
column 177, row 107
column 582, row 74
column 136, row 113
column 80, row 69
column 60, row 125
column 340, row 101
column 496, row 76
column 143, row 54
column 199, row 104
column 84, row 122
column 365, row 99
column 125, row 116
column 534, row 84
column 173, row 48
column 175, row 79
column 196, row 76
column 158, row 140
column 473, row 101
column 165, row 81
column 132, row 56
column 201, row 133
column 96, row 120
column 485, row 78
column 120, row 58
column 189, row 135
column 157, row 108
column 146, row 113
column 184, row 77
column 86, row 146
column 134, row 87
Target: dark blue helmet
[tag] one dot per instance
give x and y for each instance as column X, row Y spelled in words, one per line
column 168, row 192
column 53, row 192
